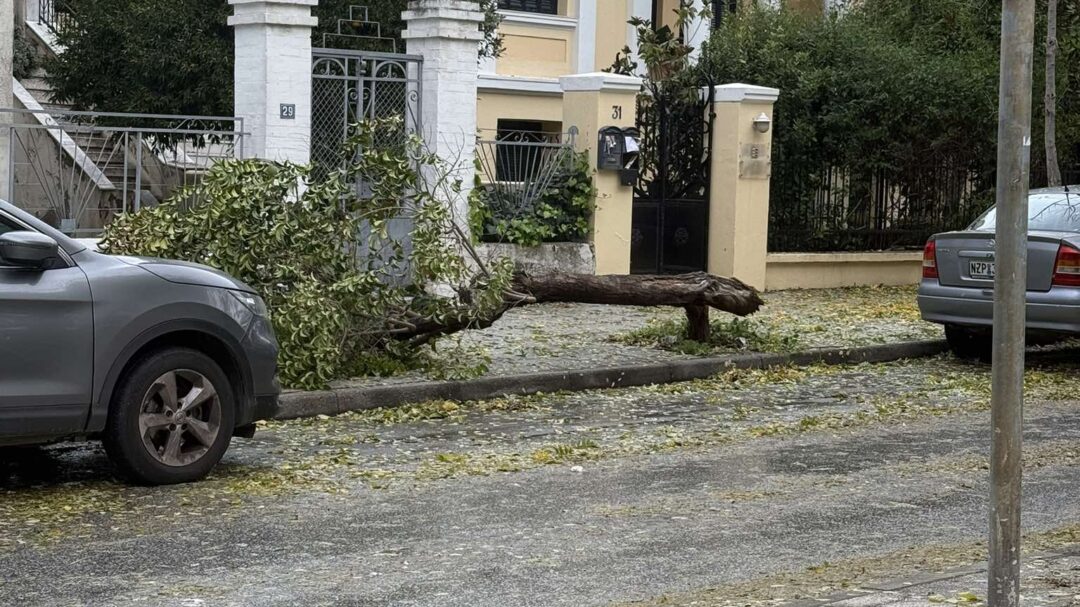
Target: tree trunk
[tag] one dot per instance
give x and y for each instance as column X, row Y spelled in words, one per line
column 696, row 293
column 1053, row 169
column 696, row 289
column 697, row 323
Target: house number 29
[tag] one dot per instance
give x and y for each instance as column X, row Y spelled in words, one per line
column 616, row 112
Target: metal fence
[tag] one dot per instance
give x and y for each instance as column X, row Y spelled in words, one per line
column 55, row 15
column 349, row 87
column 1070, row 176
column 77, row 170
column 815, row 207
column 517, row 168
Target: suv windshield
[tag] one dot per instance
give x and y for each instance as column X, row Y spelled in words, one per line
column 1057, row 212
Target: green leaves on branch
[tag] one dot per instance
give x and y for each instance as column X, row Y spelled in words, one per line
column 347, row 293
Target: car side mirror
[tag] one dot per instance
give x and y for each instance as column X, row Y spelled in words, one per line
column 29, row 250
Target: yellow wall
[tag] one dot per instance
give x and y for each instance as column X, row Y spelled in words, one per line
column 542, row 51
column 611, row 31
column 666, row 14
column 492, row 106
column 829, row 270
column 589, row 111
column 532, row 50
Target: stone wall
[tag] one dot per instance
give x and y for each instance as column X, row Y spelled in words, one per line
column 571, row 257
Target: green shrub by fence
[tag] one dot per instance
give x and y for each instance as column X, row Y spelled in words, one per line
column 885, row 130
column 560, row 214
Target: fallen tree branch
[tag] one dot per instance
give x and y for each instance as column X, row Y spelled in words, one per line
column 696, row 289
column 696, row 293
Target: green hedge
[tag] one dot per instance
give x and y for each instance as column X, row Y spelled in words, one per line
column 892, row 88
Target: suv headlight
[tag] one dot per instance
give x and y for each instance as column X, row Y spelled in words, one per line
column 251, row 301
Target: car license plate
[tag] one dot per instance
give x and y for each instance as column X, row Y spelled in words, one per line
column 982, row 269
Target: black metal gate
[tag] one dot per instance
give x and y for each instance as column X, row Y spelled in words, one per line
column 671, row 198
column 349, row 87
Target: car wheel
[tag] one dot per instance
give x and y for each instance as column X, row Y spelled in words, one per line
column 171, row 419
column 969, row 344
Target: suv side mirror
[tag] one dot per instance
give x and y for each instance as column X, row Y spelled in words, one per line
column 29, row 250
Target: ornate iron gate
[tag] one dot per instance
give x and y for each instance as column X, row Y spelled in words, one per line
column 349, row 87
column 671, row 198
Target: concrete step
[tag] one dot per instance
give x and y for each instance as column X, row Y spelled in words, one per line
column 49, row 106
column 41, row 95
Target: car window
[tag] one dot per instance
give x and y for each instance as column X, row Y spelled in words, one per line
column 6, row 227
column 1056, row 212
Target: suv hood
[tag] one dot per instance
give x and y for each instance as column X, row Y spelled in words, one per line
column 186, row 273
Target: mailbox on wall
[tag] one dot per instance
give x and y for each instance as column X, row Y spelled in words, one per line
column 618, row 151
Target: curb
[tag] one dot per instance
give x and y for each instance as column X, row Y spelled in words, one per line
column 341, row 400
column 888, row 592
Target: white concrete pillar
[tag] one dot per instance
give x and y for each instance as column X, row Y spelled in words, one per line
column 698, row 31
column 7, row 41
column 585, row 39
column 30, row 10
column 446, row 33
column 273, row 77
column 644, row 10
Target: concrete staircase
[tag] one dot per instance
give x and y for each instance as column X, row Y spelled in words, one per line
column 103, row 150
column 42, row 92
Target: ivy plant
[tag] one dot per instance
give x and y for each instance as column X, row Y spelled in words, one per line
column 561, row 214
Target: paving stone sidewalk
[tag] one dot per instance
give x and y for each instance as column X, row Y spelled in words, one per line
column 571, row 337
column 1047, row 579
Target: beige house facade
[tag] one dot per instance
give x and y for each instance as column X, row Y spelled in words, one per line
column 547, row 39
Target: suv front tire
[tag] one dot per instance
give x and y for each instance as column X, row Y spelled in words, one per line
column 172, row 418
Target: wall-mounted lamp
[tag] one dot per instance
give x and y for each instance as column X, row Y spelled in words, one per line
column 762, row 123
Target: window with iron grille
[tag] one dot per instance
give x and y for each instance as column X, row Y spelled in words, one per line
column 547, row 7
column 514, row 161
column 721, row 8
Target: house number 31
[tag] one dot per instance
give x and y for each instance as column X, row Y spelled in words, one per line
column 616, row 112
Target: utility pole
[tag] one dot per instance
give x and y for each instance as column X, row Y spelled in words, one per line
column 1010, row 291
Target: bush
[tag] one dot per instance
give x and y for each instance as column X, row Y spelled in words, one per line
column 562, row 213
column 23, row 60
column 894, row 90
column 146, row 56
column 340, row 286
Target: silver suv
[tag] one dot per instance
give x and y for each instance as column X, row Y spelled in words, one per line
column 164, row 361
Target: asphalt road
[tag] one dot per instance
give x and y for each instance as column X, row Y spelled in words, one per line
column 566, row 500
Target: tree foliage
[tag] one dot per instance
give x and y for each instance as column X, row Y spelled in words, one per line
column 23, row 60
column 887, row 83
column 387, row 13
column 338, row 307
column 148, row 56
column 176, row 56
